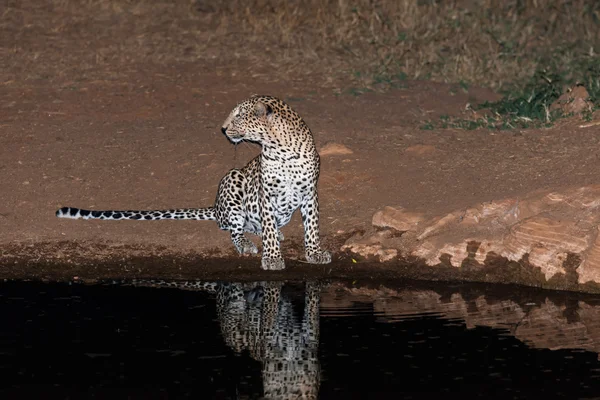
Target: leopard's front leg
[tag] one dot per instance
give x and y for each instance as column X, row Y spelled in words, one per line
column 310, row 218
column 271, row 256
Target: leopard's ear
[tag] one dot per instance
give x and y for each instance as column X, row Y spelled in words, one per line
column 262, row 109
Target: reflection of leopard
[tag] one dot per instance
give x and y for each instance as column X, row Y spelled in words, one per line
column 258, row 318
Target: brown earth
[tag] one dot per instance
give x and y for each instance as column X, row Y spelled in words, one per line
column 155, row 143
column 146, row 136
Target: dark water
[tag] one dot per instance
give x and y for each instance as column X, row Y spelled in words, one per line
column 342, row 341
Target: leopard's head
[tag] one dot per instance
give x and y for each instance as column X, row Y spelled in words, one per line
column 249, row 120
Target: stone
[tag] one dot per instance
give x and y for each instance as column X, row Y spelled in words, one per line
column 576, row 100
column 370, row 246
column 455, row 253
column 541, row 228
column 334, row 149
column 546, row 240
column 397, row 218
column 589, row 269
column 376, row 250
column 439, row 225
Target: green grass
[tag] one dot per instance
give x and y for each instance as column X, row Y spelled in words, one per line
column 529, row 105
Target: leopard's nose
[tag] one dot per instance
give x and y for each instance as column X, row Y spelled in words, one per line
column 224, row 130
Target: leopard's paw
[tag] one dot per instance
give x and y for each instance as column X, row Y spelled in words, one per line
column 318, row 257
column 272, row 264
column 245, row 246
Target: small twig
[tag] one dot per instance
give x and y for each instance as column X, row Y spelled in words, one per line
column 590, row 124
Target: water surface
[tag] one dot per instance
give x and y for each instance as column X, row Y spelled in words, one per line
column 273, row 340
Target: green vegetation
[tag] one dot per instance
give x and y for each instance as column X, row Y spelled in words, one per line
column 529, row 106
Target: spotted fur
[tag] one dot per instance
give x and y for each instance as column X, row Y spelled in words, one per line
column 261, row 197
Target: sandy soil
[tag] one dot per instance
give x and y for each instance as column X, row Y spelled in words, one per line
column 154, row 142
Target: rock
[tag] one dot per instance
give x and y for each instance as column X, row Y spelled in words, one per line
column 453, row 254
column 576, row 100
column 334, row 149
column 502, row 211
column 376, row 250
column 540, row 229
column 399, row 219
column 589, row 269
column 439, row 225
column 370, row 246
column 546, row 240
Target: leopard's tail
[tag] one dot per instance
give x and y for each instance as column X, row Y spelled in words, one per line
column 148, row 215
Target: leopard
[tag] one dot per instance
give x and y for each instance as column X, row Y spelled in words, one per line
column 261, row 197
column 259, row 317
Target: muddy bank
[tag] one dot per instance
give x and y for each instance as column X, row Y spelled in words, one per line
column 68, row 261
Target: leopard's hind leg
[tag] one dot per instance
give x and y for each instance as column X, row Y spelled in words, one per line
column 231, row 210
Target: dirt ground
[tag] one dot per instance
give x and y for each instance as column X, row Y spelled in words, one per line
column 148, row 137
column 155, row 143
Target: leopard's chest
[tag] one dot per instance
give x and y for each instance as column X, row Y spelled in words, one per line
column 287, row 186
column 285, row 202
